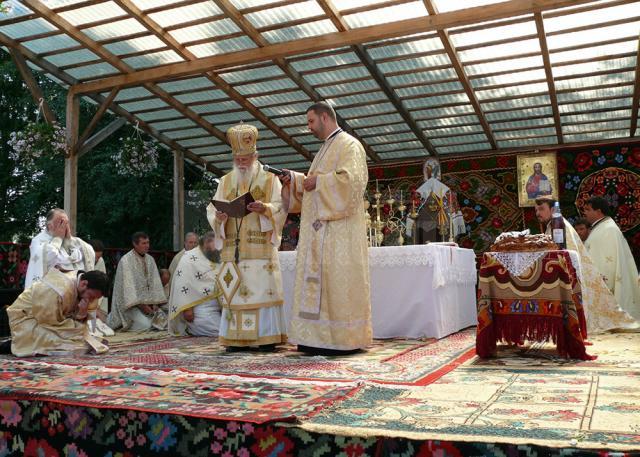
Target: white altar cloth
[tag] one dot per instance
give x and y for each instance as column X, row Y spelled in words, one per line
column 416, row 291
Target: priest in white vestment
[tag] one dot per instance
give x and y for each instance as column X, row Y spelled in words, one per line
column 193, row 307
column 49, row 316
column 250, row 278
column 190, row 242
column 601, row 310
column 612, row 256
column 56, row 247
column 137, row 291
column 331, row 311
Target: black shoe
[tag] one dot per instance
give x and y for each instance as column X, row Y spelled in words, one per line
column 267, row 347
column 237, row 349
column 323, row 351
column 5, row 347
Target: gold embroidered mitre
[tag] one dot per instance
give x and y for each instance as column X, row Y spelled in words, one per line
column 242, row 138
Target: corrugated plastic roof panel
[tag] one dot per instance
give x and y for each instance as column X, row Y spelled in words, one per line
column 73, row 57
column 267, row 86
column 297, row 32
column 403, row 154
column 527, row 142
column 490, row 34
column 600, row 125
column 576, row 96
column 602, row 116
column 187, row 13
column 593, row 35
column 570, row 21
column 153, row 59
column 597, row 80
column 597, row 136
column 387, row 14
column 189, row 84
column 452, row 131
column 483, row 146
column 16, row 9
column 412, row 63
column 519, row 113
column 52, row 43
column 114, row 29
column 92, row 13
column 284, row 13
column 222, row 46
column 500, row 50
column 596, row 104
column 524, row 133
column 249, row 74
column 462, row 139
column 203, row 31
column 187, row 133
column 449, row 121
column 628, row 46
column 437, row 100
column 287, row 97
column 364, row 122
column 329, row 61
column 180, row 123
column 400, row 49
column 453, row 5
column 92, row 71
column 294, row 108
column 400, row 144
column 442, row 112
column 145, row 43
column 27, row 28
column 159, row 114
column 592, row 67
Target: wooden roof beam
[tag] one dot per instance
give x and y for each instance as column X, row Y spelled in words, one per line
column 462, row 76
column 232, row 12
column 117, row 63
column 32, row 85
column 71, row 81
column 635, row 105
column 378, row 76
column 216, row 79
column 333, row 40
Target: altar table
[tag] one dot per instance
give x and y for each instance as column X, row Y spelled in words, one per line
column 539, row 300
column 416, row 291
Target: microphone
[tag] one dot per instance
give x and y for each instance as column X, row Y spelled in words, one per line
column 275, row 171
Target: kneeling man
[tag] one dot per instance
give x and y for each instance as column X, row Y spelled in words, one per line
column 193, row 306
column 50, row 316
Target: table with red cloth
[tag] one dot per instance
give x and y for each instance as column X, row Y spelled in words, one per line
column 542, row 303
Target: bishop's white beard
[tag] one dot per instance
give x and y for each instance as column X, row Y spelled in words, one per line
column 244, row 174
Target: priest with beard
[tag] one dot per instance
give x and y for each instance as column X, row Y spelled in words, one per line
column 602, row 312
column 250, row 278
column 331, row 313
column 193, row 307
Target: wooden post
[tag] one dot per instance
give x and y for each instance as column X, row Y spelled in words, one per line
column 178, row 199
column 71, row 160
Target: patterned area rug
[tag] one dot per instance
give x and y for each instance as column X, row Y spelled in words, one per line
column 168, row 392
column 402, row 362
column 525, row 396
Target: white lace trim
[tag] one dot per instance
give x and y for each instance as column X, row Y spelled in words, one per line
column 518, row 263
column 451, row 265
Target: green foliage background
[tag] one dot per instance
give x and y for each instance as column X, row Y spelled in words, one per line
column 110, row 207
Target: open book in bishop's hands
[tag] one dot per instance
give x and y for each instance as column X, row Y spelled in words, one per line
column 236, row 207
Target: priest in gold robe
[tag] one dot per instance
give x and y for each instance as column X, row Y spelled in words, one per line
column 601, row 309
column 331, row 311
column 137, row 291
column 249, row 278
column 50, row 316
column 612, row 256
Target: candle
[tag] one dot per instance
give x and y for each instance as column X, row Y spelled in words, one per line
column 400, row 195
column 376, row 186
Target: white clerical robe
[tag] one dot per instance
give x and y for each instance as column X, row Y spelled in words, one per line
column 194, row 287
column 252, row 296
column 46, row 252
column 331, row 303
column 41, row 319
column 611, row 254
column 601, row 310
column 137, row 282
column 174, row 262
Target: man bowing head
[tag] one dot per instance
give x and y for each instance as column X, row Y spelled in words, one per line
column 331, row 307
